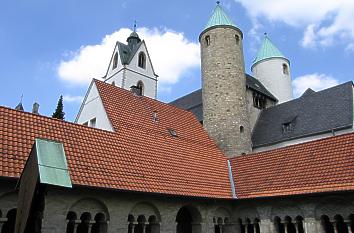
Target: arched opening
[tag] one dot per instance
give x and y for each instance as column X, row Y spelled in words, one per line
column 289, row 225
column 340, row 224
column 131, row 225
column 257, row 229
column 141, row 224
column 279, row 226
column 300, row 224
column 249, row 226
column 237, row 38
column 142, row 60
column 115, row 61
column 9, row 225
column 242, row 226
column 100, row 225
column 83, row 227
column 242, row 129
column 70, row 218
column 326, row 224
column 153, row 226
column 285, row 69
column 140, row 88
column 207, row 40
column 188, row 220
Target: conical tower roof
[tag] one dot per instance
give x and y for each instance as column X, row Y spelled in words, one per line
column 219, row 18
column 267, row 50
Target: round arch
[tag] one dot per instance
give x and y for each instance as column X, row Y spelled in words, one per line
column 146, row 209
column 94, row 206
column 188, row 220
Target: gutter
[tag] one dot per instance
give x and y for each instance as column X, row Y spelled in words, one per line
column 233, row 190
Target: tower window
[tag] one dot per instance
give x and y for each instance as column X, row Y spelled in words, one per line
column 242, row 129
column 259, row 100
column 93, row 122
column 142, row 60
column 237, row 38
column 140, row 88
column 115, row 61
column 285, row 69
column 207, row 40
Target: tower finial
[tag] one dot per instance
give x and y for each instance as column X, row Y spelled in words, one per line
column 134, row 26
column 218, row 2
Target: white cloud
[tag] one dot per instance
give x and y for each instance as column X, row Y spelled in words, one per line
column 72, row 99
column 314, row 81
column 171, row 54
column 324, row 21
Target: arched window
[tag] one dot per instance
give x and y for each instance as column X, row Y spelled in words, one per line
column 140, row 87
column 326, row 224
column 207, row 40
column 9, row 225
column 237, row 38
column 242, row 129
column 115, row 61
column 300, row 224
column 70, row 217
column 142, row 60
column 83, row 226
column 285, row 69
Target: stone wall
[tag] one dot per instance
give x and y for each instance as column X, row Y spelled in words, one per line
column 118, row 212
column 225, row 114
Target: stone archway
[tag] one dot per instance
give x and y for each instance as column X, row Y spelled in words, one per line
column 188, row 220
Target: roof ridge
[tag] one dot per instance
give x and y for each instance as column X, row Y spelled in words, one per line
column 297, row 145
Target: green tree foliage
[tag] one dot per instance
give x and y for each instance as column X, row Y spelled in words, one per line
column 59, row 114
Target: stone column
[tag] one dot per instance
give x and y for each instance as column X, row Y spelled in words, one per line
column 77, row 222
column 286, row 226
column 296, row 224
column 90, row 223
column 133, row 224
column 349, row 228
column 255, row 227
column 265, row 226
column 310, row 225
column 2, row 221
column 334, row 224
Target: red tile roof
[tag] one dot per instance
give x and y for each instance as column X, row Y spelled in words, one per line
column 140, row 156
column 324, row 165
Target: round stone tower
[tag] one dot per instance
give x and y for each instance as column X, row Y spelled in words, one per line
column 225, row 115
column 272, row 68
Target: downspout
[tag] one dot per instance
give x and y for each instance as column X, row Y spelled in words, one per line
column 233, row 190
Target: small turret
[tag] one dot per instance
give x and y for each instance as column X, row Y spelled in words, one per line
column 272, row 68
column 133, row 39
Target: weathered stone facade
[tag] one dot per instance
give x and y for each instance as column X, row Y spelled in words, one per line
column 106, row 211
column 226, row 118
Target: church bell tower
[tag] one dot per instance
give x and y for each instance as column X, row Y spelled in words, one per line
column 225, row 113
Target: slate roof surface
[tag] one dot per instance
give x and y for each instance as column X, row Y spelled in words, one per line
column 127, row 53
column 324, row 165
column 312, row 113
column 193, row 101
column 140, row 156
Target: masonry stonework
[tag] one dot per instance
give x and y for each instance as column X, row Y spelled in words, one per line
column 226, row 118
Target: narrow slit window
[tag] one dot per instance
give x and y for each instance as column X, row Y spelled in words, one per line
column 142, row 60
column 115, row 61
column 207, row 40
column 237, row 38
column 285, row 69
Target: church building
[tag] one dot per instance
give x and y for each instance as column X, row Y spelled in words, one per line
column 239, row 155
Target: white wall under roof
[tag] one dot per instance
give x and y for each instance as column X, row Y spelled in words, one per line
column 270, row 73
column 91, row 108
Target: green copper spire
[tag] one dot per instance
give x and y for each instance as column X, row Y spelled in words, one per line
column 219, row 17
column 267, row 50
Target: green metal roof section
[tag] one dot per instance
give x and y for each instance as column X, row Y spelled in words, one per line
column 219, row 18
column 52, row 165
column 267, row 50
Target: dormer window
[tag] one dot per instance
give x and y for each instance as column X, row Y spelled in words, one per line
column 285, row 69
column 172, row 132
column 140, row 88
column 142, row 60
column 289, row 125
column 115, row 61
column 93, row 122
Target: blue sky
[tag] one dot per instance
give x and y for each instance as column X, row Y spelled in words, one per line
column 49, row 48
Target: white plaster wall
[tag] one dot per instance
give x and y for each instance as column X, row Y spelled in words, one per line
column 270, row 73
column 302, row 140
column 92, row 107
column 116, row 77
column 150, row 85
column 111, row 71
